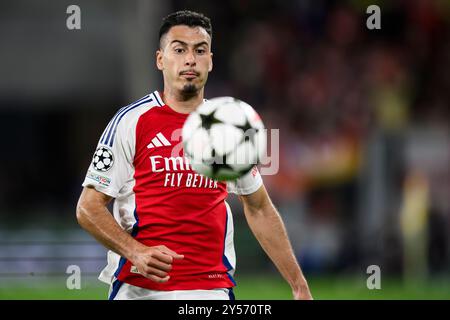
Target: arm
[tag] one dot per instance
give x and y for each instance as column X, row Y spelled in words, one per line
column 94, row 217
column 268, row 228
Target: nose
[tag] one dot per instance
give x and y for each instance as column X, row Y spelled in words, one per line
column 190, row 59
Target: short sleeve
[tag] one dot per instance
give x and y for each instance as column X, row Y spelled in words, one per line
column 247, row 184
column 112, row 162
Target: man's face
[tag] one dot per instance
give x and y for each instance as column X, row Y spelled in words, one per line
column 185, row 58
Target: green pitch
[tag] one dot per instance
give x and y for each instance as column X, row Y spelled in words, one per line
column 249, row 288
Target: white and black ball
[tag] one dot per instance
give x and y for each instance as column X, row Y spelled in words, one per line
column 224, row 138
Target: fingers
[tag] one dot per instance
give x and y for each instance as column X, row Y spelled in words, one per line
column 160, row 265
column 162, row 257
column 156, row 278
column 154, row 274
column 150, row 271
column 158, row 262
column 169, row 252
column 159, row 279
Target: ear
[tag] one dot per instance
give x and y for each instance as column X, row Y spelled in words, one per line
column 210, row 62
column 159, row 60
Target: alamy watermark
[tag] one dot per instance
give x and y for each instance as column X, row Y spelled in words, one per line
column 374, row 20
column 73, row 281
column 73, row 21
column 262, row 151
column 374, row 279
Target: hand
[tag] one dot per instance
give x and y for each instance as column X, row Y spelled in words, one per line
column 155, row 262
column 302, row 293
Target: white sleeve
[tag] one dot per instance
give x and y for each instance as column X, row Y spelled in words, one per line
column 112, row 162
column 247, row 184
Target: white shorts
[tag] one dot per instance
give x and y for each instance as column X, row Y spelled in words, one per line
column 124, row 291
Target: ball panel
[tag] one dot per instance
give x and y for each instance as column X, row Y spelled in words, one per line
column 207, row 107
column 224, row 138
column 243, row 157
column 231, row 113
column 199, row 146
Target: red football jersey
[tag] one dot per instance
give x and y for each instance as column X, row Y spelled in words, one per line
column 160, row 200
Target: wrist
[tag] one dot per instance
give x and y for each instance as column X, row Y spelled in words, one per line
column 133, row 250
column 300, row 290
column 300, row 285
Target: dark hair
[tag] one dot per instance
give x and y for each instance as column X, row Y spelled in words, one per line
column 187, row 18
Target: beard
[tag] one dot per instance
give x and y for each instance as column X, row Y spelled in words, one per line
column 189, row 90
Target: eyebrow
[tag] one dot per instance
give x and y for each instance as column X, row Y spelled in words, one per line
column 185, row 44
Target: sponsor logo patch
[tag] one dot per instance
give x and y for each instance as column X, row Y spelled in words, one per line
column 254, row 171
column 105, row 181
column 103, row 159
column 133, row 269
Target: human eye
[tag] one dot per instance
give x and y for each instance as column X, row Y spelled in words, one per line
column 201, row 51
column 178, row 50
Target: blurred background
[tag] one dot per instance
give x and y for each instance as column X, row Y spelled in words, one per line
column 363, row 115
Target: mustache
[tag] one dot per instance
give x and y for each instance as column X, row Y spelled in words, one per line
column 189, row 71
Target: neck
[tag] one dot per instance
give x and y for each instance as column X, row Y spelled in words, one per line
column 182, row 103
